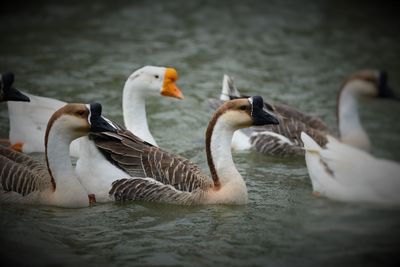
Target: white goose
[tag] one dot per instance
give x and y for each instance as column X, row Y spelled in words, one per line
column 132, row 169
column 28, row 120
column 27, row 181
column 284, row 139
column 342, row 172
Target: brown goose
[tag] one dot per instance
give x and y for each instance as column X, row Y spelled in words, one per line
column 285, row 139
column 132, row 169
column 27, row 181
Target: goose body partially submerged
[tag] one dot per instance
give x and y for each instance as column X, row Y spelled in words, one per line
column 28, row 120
column 285, row 140
column 28, row 181
column 345, row 173
column 132, row 169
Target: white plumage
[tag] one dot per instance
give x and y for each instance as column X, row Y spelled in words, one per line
column 28, row 120
column 345, row 173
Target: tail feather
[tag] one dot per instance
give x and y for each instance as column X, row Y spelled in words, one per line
column 309, row 144
column 228, row 89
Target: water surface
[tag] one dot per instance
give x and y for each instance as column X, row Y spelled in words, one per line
column 294, row 52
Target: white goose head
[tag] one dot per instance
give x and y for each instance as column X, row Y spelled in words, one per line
column 151, row 80
column 147, row 81
column 8, row 92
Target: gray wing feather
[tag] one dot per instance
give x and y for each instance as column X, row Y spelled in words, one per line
column 147, row 189
column 141, row 159
column 21, row 174
column 268, row 144
column 299, row 116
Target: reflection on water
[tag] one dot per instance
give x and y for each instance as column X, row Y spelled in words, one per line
column 293, row 52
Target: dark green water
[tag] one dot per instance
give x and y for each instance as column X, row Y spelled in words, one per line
column 295, row 52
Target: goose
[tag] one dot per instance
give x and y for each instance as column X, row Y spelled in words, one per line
column 25, row 180
column 132, row 169
column 345, row 173
column 8, row 92
column 28, row 120
column 284, row 139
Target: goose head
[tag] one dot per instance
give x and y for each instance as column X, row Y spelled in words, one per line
column 370, row 83
column 8, row 92
column 151, row 80
column 245, row 112
column 77, row 120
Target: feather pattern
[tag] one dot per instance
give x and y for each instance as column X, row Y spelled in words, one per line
column 21, row 174
column 140, row 159
column 149, row 189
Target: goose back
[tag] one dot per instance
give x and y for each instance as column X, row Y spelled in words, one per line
column 148, row 189
column 142, row 160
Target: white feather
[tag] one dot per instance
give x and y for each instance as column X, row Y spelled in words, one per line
column 346, row 173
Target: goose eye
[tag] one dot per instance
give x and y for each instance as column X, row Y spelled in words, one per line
column 156, row 76
column 243, row 107
column 80, row 113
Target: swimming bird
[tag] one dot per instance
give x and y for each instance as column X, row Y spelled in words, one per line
column 28, row 120
column 132, row 169
column 25, row 180
column 284, row 139
column 8, row 92
column 345, row 173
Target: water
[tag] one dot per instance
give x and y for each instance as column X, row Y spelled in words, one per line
column 291, row 52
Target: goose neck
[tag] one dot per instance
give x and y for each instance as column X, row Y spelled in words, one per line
column 219, row 155
column 134, row 112
column 66, row 187
column 350, row 128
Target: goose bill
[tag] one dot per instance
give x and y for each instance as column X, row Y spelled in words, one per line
column 171, row 90
column 15, row 95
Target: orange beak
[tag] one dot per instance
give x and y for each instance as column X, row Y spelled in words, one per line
column 169, row 87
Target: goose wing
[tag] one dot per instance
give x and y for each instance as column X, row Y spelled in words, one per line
column 293, row 114
column 271, row 143
column 149, row 189
column 284, row 139
column 21, row 175
column 143, row 160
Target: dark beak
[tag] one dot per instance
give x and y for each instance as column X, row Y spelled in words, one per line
column 261, row 116
column 10, row 93
column 384, row 90
column 13, row 94
column 99, row 123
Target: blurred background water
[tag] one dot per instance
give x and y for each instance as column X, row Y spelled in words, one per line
column 293, row 52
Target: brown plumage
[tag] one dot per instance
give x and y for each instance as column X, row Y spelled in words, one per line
column 21, row 175
column 141, row 159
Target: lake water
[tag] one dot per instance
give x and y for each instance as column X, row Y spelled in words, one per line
column 294, row 52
